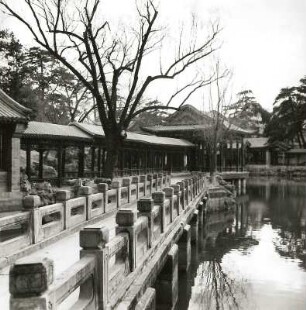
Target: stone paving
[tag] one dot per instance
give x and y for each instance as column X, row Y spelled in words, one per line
column 64, row 253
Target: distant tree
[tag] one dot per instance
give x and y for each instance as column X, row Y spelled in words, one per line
column 149, row 118
column 103, row 58
column 246, row 112
column 289, row 115
column 13, row 72
column 217, row 126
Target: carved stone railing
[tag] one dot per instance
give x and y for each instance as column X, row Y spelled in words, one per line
column 108, row 267
column 37, row 224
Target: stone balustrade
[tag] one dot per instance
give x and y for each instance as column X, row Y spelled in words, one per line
column 38, row 224
column 19, row 223
column 142, row 251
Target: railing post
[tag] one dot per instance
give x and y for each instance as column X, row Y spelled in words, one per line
column 184, row 245
column 92, row 242
column 145, row 207
column 103, row 188
column 160, row 178
column 191, row 188
column 244, row 186
column 177, row 193
column 147, row 301
column 186, row 184
column 155, row 177
column 200, row 208
column 168, row 180
column 28, row 282
column 126, row 218
column 167, row 282
column 194, row 224
column 169, row 195
column 32, row 203
column 150, row 181
column 126, row 182
column 143, row 179
column 85, row 191
column 135, row 180
column 182, row 197
column 195, row 185
column 116, row 185
column 159, row 199
column 62, row 196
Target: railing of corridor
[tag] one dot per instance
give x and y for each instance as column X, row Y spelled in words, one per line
column 37, row 224
column 108, row 267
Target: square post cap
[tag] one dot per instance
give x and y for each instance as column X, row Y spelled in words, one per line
column 63, row 195
column 158, row 197
column 145, row 205
column 169, row 191
column 31, row 276
column 31, row 202
column 126, row 217
column 94, row 237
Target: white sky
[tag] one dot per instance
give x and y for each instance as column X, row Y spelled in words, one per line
column 264, row 41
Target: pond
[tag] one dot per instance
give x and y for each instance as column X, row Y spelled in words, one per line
column 253, row 257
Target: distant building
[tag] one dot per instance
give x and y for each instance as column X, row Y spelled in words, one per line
column 13, row 121
column 196, row 126
column 261, row 152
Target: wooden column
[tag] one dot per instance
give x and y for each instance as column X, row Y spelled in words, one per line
column 81, row 162
column 238, row 155
column 28, row 160
column 99, row 161
column 59, row 166
column 63, row 160
column 242, row 155
column 122, row 159
column 103, row 160
column 222, row 156
column 93, row 157
column 231, row 154
column 40, row 167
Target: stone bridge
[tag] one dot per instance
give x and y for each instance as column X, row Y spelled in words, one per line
column 132, row 264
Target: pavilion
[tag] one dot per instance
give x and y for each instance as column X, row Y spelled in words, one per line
column 13, row 121
column 195, row 126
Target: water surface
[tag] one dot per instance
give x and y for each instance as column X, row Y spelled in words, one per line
column 253, row 257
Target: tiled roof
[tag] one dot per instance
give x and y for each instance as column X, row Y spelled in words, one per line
column 297, row 151
column 201, row 120
column 150, row 139
column 133, row 136
column 10, row 110
column 54, row 131
column 260, row 142
column 164, row 128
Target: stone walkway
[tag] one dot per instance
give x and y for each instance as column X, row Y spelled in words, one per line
column 64, row 253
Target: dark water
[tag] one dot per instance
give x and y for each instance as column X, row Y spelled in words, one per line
column 253, row 257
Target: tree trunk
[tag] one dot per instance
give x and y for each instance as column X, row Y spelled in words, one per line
column 213, row 160
column 302, row 138
column 113, row 145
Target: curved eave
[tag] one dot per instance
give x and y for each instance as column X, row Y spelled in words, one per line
column 16, row 107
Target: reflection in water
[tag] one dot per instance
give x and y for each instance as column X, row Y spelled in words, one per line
column 254, row 257
column 215, row 289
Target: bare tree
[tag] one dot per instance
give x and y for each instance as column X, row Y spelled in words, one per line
column 68, row 29
column 217, row 130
